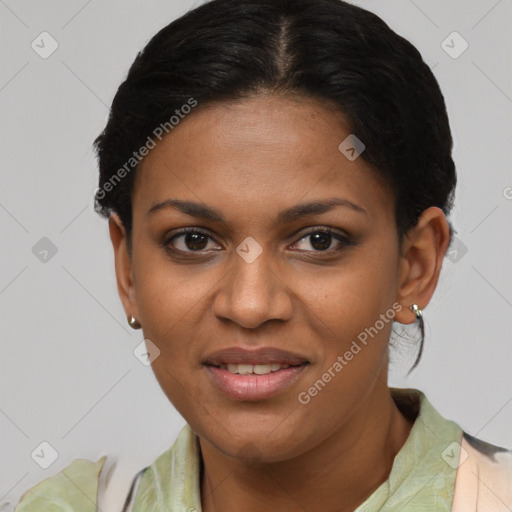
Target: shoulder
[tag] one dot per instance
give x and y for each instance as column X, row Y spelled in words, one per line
column 484, row 476
column 73, row 488
column 84, row 485
column 112, row 485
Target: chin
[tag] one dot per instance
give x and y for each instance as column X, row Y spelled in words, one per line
column 257, row 445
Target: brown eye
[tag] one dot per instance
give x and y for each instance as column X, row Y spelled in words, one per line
column 190, row 240
column 195, row 241
column 322, row 240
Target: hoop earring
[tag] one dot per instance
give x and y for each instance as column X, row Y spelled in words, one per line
column 416, row 310
column 133, row 323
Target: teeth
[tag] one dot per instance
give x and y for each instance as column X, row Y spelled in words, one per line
column 244, row 369
column 257, row 369
column 261, row 369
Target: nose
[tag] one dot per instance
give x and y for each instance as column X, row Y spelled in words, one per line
column 253, row 293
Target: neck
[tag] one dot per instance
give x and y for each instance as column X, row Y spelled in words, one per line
column 336, row 476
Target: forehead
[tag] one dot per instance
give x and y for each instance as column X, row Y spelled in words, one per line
column 256, row 154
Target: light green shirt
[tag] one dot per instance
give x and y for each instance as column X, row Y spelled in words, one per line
column 422, row 477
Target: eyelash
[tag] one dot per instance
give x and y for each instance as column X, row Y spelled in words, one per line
column 344, row 240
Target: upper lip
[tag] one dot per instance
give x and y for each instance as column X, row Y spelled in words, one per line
column 263, row 355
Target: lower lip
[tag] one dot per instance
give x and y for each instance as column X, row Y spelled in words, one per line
column 254, row 387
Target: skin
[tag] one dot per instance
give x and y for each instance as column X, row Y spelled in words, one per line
column 250, row 160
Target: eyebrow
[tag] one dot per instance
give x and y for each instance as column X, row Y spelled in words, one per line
column 289, row 215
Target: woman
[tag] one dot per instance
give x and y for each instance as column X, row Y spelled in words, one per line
column 277, row 175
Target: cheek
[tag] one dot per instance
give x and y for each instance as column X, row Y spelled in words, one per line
column 354, row 325
column 169, row 309
column 354, row 295
column 358, row 310
column 169, row 296
column 355, row 309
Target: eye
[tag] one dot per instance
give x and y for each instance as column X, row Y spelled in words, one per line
column 188, row 240
column 193, row 240
column 321, row 240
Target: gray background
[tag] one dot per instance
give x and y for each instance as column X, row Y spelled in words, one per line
column 68, row 373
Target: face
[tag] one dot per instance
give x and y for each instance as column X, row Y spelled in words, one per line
column 265, row 280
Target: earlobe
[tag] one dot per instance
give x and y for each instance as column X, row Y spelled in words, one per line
column 123, row 265
column 422, row 256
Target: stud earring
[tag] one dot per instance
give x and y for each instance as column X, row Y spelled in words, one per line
column 133, row 323
column 416, row 310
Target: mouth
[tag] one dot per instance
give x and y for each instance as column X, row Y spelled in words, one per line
column 254, row 369
column 254, row 375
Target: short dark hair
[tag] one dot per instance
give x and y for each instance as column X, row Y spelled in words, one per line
column 327, row 50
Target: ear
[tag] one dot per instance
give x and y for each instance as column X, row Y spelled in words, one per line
column 423, row 250
column 123, row 265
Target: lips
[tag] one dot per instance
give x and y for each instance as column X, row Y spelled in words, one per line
column 254, row 375
column 260, row 356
